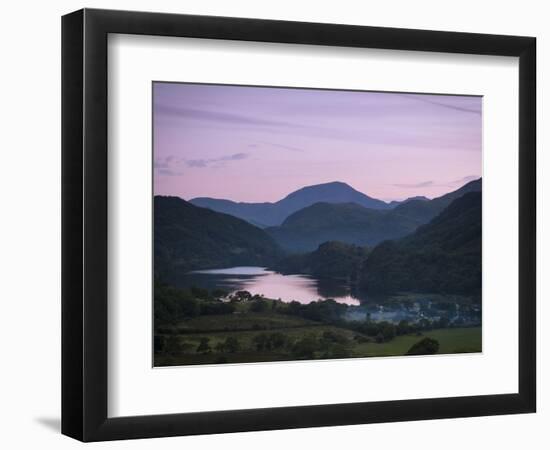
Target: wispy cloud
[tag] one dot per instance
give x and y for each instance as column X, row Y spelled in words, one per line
column 466, row 179
column 169, row 172
column 414, row 185
column 219, row 117
column 215, row 162
column 286, row 147
column 430, row 183
column 423, row 98
column 167, row 166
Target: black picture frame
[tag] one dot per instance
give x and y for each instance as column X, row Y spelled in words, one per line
column 84, row 224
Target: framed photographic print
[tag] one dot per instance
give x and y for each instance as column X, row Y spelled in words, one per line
column 273, row 224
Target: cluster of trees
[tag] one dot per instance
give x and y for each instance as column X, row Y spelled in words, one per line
column 172, row 304
column 311, row 347
column 426, row 346
column 175, row 345
column 327, row 311
column 332, row 259
column 330, row 344
column 385, row 331
column 270, row 341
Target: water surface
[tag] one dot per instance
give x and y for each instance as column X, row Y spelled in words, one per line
column 270, row 284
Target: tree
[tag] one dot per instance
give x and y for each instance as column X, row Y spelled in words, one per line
column 426, row 346
column 232, row 344
column 243, row 296
column 443, row 322
column 339, row 351
column 216, row 307
column 403, row 327
column 277, row 340
column 159, row 343
column 204, row 346
column 261, row 341
column 172, row 345
column 199, row 292
column 305, row 348
column 259, row 306
column 388, row 330
column 330, row 336
column 219, row 293
column 425, row 324
column 172, row 304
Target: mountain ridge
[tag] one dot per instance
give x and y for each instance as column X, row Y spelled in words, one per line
column 306, row 229
column 188, row 237
column 272, row 214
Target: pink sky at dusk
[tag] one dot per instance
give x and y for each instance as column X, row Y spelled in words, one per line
column 257, row 144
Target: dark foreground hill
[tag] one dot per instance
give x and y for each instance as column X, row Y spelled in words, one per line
column 351, row 223
column 188, row 237
column 330, row 260
column 272, row 214
column 442, row 256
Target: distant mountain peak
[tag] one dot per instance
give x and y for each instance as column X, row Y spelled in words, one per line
column 395, row 203
column 331, row 192
column 273, row 214
column 329, row 186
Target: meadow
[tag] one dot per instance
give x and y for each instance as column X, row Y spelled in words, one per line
column 245, row 336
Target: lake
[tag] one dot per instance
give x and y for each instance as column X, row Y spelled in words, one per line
column 261, row 281
column 306, row 289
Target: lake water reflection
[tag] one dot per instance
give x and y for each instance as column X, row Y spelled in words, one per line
column 259, row 280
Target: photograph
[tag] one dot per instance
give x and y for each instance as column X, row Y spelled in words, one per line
column 310, row 224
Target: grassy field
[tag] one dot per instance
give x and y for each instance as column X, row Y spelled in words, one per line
column 241, row 322
column 245, row 328
column 451, row 340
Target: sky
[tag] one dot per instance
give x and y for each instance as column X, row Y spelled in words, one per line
column 258, row 144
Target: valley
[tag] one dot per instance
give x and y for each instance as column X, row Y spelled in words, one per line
column 333, row 280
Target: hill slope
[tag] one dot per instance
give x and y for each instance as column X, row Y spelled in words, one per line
column 442, row 256
column 395, row 203
column 188, row 237
column 424, row 211
column 271, row 214
column 350, row 223
column 330, row 260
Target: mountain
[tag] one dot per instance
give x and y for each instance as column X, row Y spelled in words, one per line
column 188, row 237
column 258, row 214
column 330, row 260
column 394, row 203
column 423, row 211
column 272, row 214
column 350, row 223
column 335, row 192
column 306, row 229
column 443, row 256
